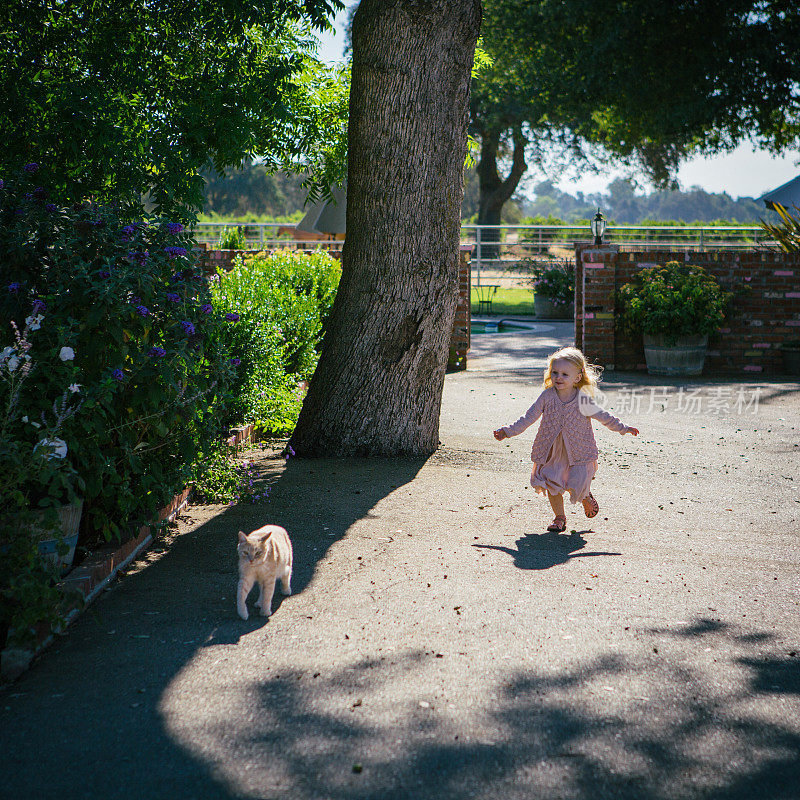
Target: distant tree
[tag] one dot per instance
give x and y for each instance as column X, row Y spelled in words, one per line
column 115, row 98
column 378, row 386
column 253, row 189
column 623, row 204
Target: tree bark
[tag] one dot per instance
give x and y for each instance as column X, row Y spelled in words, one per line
column 378, row 386
column 494, row 190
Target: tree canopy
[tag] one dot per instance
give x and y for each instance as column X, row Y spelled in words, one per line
column 115, row 98
column 634, row 81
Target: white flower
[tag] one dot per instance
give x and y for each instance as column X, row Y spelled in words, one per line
column 74, row 387
column 7, row 351
column 25, row 419
column 13, row 363
column 34, row 323
column 66, row 354
column 56, row 448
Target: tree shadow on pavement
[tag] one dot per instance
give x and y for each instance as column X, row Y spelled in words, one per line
column 86, row 720
column 546, row 550
column 635, row 726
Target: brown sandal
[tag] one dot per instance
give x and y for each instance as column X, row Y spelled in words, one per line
column 591, row 506
column 558, row 525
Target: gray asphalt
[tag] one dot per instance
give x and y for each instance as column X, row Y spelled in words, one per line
column 441, row 644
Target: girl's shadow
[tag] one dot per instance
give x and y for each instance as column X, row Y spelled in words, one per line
column 546, row 550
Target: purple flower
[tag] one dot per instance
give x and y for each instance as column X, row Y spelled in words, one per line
column 118, row 374
column 231, row 316
column 289, row 451
column 32, row 167
column 39, row 306
column 104, row 273
column 139, row 257
column 157, row 352
column 187, row 327
column 173, row 297
column 2, row 183
column 234, row 361
column 174, row 228
column 14, row 287
column 127, row 233
column 28, row 195
column 174, row 252
column 51, row 207
column 40, row 193
column 206, row 308
column 143, row 311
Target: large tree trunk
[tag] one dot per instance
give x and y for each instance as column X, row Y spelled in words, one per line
column 378, row 387
column 494, row 190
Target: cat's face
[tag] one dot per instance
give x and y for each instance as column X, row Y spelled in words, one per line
column 251, row 548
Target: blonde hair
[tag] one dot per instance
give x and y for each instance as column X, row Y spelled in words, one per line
column 590, row 373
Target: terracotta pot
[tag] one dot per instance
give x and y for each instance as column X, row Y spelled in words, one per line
column 69, row 518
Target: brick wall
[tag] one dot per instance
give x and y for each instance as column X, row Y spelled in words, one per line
column 766, row 310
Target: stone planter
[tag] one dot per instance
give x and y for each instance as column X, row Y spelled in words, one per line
column 545, row 308
column 685, row 357
column 69, row 518
column 791, row 358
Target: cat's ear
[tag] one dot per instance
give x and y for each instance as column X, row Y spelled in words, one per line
column 242, row 537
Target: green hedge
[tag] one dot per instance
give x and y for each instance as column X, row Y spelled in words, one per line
column 283, row 301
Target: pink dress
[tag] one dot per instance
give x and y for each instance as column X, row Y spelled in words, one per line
column 554, row 474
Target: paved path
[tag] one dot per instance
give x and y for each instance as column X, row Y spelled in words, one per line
column 440, row 644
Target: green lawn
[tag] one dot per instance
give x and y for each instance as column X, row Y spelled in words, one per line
column 508, row 302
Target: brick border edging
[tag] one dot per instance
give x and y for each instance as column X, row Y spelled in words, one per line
column 239, row 435
column 88, row 580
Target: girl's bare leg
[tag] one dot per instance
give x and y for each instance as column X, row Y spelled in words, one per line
column 556, row 503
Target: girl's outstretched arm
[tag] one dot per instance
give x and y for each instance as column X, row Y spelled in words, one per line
column 590, row 409
column 524, row 422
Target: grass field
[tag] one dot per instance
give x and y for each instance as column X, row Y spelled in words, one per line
column 508, row 301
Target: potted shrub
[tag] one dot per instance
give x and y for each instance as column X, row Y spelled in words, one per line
column 674, row 308
column 553, row 292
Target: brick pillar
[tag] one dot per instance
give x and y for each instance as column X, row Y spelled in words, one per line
column 459, row 338
column 595, row 274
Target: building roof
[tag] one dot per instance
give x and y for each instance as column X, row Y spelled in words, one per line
column 787, row 195
column 326, row 217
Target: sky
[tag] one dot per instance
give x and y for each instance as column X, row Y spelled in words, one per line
column 744, row 172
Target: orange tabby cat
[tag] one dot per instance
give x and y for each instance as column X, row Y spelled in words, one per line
column 265, row 555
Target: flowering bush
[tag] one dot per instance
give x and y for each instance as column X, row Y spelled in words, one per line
column 281, row 303
column 673, row 300
column 118, row 309
column 220, row 478
column 557, row 284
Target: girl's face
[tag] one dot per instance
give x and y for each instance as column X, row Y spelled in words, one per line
column 564, row 374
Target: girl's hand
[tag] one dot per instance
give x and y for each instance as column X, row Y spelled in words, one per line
column 634, row 431
column 500, row 434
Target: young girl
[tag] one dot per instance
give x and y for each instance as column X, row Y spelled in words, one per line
column 564, row 451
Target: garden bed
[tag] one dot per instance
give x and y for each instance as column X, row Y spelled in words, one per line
column 85, row 582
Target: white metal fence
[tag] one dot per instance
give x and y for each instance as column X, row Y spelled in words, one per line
column 499, row 249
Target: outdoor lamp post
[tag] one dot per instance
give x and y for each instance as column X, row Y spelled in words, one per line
column 598, row 227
